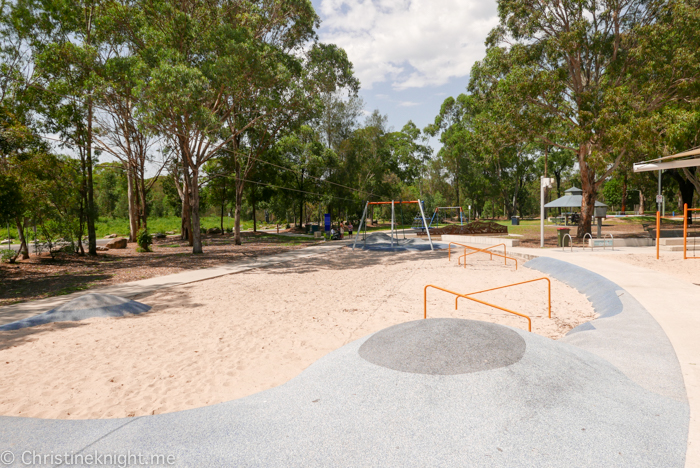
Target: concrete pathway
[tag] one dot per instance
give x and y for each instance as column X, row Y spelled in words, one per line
column 674, row 304
column 23, row 310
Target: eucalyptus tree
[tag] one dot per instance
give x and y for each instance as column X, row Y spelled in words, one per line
column 229, row 75
column 572, row 69
column 308, row 158
column 121, row 132
column 64, row 40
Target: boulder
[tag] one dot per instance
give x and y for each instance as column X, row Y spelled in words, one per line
column 101, row 248
column 110, row 236
column 159, row 235
column 170, row 232
column 119, row 243
column 213, row 231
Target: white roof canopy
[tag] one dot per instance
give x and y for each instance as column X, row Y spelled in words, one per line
column 684, row 159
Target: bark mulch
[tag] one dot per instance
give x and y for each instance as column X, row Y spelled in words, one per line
column 41, row 276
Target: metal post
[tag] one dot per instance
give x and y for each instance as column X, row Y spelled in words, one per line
column 425, row 223
column 685, row 229
column 541, row 212
column 392, row 224
column 658, row 204
column 658, row 233
column 359, row 228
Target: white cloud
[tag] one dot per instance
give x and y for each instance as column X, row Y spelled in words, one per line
column 410, row 43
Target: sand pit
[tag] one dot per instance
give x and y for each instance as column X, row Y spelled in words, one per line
column 671, row 263
column 236, row 335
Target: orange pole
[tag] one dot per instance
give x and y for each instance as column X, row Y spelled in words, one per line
column 425, row 304
column 658, row 232
column 685, row 229
column 389, row 203
column 489, row 252
column 549, row 291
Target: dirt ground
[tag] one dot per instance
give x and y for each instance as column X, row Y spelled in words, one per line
column 232, row 336
column 41, row 276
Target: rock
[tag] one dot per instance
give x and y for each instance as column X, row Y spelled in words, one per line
column 119, row 243
column 213, row 231
column 159, row 235
column 102, row 248
column 170, row 232
column 110, row 236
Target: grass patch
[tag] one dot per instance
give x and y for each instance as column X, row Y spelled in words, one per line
column 120, row 226
column 72, row 289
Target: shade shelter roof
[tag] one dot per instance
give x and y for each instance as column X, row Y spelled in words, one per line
column 572, row 199
column 685, row 159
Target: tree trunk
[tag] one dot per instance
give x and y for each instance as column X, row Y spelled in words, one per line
column 687, row 190
column 237, row 214
column 91, row 214
column 641, row 203
column 194, row 205
column 301, row 199
column 23, row 242
column 624, row 193
column 255, row 221
column 223, row 203
column 131, row 197
column 141, row 183
column 589, row 194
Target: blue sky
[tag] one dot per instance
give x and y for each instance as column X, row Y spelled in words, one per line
column 408, row 54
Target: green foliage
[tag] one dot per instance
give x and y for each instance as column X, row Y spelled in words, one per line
column 144, row 240
column 7, row 255
column 11, row 202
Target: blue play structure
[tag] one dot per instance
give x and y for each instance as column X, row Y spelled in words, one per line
column 418, row 221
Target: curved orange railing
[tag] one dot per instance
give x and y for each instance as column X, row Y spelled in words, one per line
column 449, row 247
column 425, row 304
column 485, row 250
column 549, row 291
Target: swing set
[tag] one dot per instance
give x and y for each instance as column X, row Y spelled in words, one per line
column 436, row 215
column 393, row 204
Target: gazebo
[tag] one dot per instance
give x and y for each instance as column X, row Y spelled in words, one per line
column 572, row 199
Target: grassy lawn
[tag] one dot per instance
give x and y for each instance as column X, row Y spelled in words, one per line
column 120, row 226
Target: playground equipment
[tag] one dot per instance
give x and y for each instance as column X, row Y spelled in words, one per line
column 549, row 291
column 686, row 210
column 436, row 215
column 477, row 250
column 393, row 203
column 425, row 304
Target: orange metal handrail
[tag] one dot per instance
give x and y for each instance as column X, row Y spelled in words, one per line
column 549, row 291
column 425, row 304
column 486, row 250
column 449, row 248
column 476, row 250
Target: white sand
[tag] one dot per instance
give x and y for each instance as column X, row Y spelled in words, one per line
column 671, row 263
column 232, row 336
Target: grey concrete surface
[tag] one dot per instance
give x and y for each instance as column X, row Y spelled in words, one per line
column 625, row 334
column 382, row 241
column 81, row 308
column 559, row 405
column 672, row 302
column 443, row 347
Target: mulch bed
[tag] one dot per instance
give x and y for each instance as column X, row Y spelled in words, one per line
column 41, row 276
